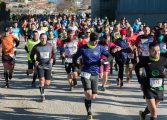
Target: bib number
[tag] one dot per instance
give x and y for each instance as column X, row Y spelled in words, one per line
column 68, row 60
column 145, row 53
column 44, row 55
column 144, row 41
column 106, row 63
column 155, row 82
column 85, row 75
column 131, row 56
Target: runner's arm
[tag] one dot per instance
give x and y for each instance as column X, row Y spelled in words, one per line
column 16, row 41
column 77, row 55
column 137, row 71
column 26, row 49
column 33, row 52
column 52, row 55
column 107, row 54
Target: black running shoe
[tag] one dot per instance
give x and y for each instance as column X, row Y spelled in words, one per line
column 42, row 98
column 141, row 116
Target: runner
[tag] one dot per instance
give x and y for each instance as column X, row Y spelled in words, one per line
column 152, row 83
column 28, row 47
column 8, row 56
column 55, row 42
column 43, row 62
column 90, row 72
column 104, row 69
column 16, row 30
column 132, row 56
column 143, row 41
column 121, row 56
column 70, row 48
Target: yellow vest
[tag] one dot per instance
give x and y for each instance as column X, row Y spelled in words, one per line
column 30, row 44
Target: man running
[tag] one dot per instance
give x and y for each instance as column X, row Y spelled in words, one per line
column 8, row 56
column 28, row 47
column 43, row 62
column 152, row 82
column 70, row 48
column 91, row 53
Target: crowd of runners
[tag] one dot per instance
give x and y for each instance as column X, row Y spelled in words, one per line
column 90, row 49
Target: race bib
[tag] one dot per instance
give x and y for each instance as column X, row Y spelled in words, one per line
column 145, row 53
column 85, row 75
column 145, row 50
column 70, row 49
column 44, row 55
column 68, row 60
column 155, row 82
column 107, row 48
column 106, row 63
column 163, row 46
column 144, row 41
column 130, row 55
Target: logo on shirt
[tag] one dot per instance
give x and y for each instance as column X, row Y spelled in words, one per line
column 95, row 53
column 155, row 73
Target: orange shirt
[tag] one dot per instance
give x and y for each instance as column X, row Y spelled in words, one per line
column 24, row 25
column 8, row 44
column 132, row 40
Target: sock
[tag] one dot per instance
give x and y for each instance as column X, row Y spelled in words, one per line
column 75, row 81
column 146, row 111
column 111, row 70
column 153, row 118
column 10, row 75
column 41, row 88
column 6, row 77
column 34, row 77
column 88, row 106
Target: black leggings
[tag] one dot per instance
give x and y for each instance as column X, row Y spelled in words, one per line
column 121, row 68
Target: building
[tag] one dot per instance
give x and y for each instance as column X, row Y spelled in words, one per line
column 150, row 11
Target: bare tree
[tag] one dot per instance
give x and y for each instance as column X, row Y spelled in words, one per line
column 66, row 5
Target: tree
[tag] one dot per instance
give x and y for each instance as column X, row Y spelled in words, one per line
column 4, row 15
column 66, row 5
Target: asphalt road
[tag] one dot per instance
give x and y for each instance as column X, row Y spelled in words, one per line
column 21, row 102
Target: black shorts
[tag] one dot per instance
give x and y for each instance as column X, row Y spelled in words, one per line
column 91, row 84
column 132, row 60
column 153, row 94
column 69, row 67
column 8, row 59
column 46, row 73
column 30, row 64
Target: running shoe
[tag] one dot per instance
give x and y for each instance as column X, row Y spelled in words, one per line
column 7, row 86
column 74, row 82
column 27, row 73
column 128, row 79
column 71, row 88
column 121, row 83
column 42, row 98
column 141, row 117
column 103, row 88
column 118, row 81
column 10, row 76
column 89, row 117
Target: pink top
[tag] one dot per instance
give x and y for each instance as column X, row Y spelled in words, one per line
column 108, row 46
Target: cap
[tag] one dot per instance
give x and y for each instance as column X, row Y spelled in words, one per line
column 123, row 32
column 93, row 37
column 6, row 29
